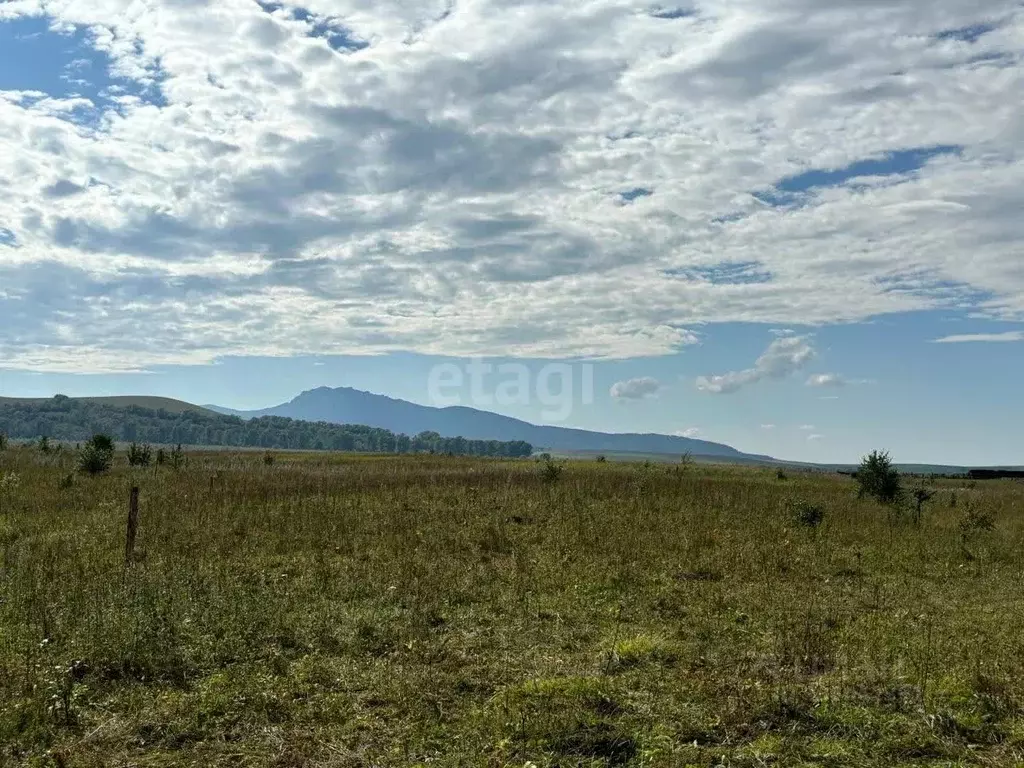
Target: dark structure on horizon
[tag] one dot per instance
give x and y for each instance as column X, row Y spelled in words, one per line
column 995, row 474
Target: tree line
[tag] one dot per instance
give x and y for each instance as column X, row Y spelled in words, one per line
column 63, row 418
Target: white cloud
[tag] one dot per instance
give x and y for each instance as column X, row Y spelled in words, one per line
column 457, row 186
column 768, row 426
column 784, row 356
column 693, row 433
column 1009, row 336
column 807, row 427
column 814, row 438
column 826, row 380
column 635, row 389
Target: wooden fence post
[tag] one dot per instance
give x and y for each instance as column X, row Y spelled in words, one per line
column 133, row 526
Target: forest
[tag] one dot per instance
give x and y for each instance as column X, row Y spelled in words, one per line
column 65, row 419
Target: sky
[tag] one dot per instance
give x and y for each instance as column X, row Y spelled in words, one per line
column 790, row 226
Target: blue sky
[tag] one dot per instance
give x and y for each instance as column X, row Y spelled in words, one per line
column 787, row 227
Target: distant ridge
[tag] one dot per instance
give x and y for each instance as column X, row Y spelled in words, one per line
column 345, row 405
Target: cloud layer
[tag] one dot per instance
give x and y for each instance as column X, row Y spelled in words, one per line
column 478, row 177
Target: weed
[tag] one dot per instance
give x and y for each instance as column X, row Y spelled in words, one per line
column 139, row 455
column 177, row 457
column 638, row 650
column 573, row 718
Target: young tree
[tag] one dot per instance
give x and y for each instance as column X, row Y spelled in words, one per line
column 103, row 442
column 97, row 455
column 879, row 479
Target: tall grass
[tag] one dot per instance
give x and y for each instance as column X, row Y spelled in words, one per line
column 332, row 610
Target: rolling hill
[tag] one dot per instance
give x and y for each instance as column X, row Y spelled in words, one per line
column 124, row 401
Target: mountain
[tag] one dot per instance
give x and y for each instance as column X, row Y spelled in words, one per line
column 348, row 406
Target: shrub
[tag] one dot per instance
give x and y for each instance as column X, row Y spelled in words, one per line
column 975, row 520
column 161, row 457
column 44, row 444
column 879, row 479
column 806, row 515
column 781, row 475
column 102, row 442
column 550, row 471
column 139, row 455
column 602, row 459
column 3, row 441
column 268, row 458
column 94, row 458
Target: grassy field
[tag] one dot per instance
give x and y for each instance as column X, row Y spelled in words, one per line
column 330, row 610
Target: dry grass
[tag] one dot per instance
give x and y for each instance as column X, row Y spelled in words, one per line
column 332, row 610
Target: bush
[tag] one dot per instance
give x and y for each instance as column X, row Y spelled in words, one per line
column 550, row 471
column 44, row 444
column 975, row 520
column 3, row 441
column 879, row 479
column 161, row 457
column 268, row 458
column 602, row 459
column 139, row 455
column 102, row 442
column 806, row 515
column 94, row 458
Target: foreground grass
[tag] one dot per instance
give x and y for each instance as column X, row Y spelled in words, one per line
column 349, row 611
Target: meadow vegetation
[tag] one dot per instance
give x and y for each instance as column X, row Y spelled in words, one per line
column 314, row 609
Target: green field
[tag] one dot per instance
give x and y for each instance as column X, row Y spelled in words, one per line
column 342, row 610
